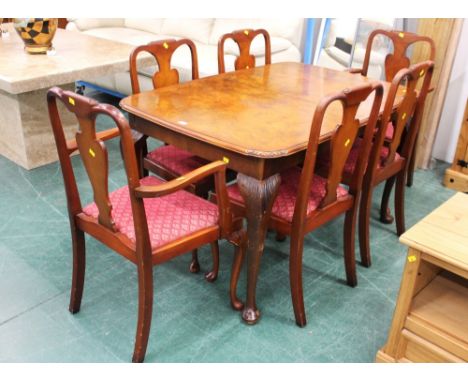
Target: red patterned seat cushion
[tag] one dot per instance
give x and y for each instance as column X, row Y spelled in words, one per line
column 169, row 217
column 389, row 131
column 323, row 161
column 283, row 206
column 176, row 160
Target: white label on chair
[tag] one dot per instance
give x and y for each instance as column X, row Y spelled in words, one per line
column 183, row 123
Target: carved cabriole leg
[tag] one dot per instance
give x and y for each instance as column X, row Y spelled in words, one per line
column 385, row 215
column 194, row 264
column 259, row 196
column 213, row 274
column 79, row 265
column 145, row 306
column 400, row 203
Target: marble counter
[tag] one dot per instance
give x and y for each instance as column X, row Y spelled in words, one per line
column 25, row 133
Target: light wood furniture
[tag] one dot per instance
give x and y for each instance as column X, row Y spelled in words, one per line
column 258, row 119
column 456, row 177
column 445, row 33
column 25, row 135
column 430, row 322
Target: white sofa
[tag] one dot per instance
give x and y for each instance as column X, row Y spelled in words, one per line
column 287, row 36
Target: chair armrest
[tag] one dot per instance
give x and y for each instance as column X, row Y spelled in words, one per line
column 354, row 70
column 101, row 135
column 181, row 182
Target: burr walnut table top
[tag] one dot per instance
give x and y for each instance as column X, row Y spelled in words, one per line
column 263, row 112
column 77, row 56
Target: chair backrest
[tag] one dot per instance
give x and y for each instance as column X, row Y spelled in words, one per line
column 341, row 142
column 162, row 51
column 243, row 38
column 93, row 153
column 410, row 95
column 398, row 59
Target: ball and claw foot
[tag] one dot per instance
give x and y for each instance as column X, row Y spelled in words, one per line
column 211, row 276
column 250, row 316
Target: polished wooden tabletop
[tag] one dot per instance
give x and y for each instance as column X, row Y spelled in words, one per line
column 263, row 112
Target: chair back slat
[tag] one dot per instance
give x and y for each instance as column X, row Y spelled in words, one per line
column 397, row 60
column 342, row 140
column 162, row 51
column 243, row 38
column 410, row 95
column 92, row 152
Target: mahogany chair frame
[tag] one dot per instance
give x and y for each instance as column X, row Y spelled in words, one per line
column 406, row 119
column 395, row 61
column 162, row 51
column 341, row 143
column 243, row 38
column 90, row 145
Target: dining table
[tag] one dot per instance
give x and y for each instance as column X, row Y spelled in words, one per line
column 257, row 120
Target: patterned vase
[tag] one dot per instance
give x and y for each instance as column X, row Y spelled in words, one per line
column 37, row 34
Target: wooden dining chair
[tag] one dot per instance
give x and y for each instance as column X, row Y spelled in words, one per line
column 389, row 156
column 306, row 200
column 148, row 221
column 168, row 161
column 394, row 61
column 243, row 38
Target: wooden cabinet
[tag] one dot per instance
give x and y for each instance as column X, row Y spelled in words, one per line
column 456, row 177
column 430, row 322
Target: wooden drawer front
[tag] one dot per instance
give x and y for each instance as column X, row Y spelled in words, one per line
column 420, row 350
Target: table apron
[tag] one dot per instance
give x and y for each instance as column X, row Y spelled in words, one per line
column 258, row 168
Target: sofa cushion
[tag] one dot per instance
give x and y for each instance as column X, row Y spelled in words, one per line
column 257, row 48
column 194, row 29
column 147, row 25
column 287, row 28
column 127, row 35
column 85, row 23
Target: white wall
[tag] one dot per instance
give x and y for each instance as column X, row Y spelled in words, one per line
column 455, row 102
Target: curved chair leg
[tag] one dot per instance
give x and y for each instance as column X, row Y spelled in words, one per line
column 295, row 279
column 145, row 310
column 400, row 203
column 79, row 265
column 280, row 237
column 240, row 242
column 349, row 239
column 411, row 166
column 364, row 226
column 213, row 274
column 194, row 264
column 385, row 215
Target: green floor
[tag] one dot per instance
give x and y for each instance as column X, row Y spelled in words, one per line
column 192, row 319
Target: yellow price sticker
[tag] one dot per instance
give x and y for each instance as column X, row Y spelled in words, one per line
column 412, row 258
column 246, row 32
column 225, row 159
column 401, row 34
column 166, row 45
column 92, row 153
column 421, row 73
column 403, row 116
column 347, row 142
column 71, row 101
